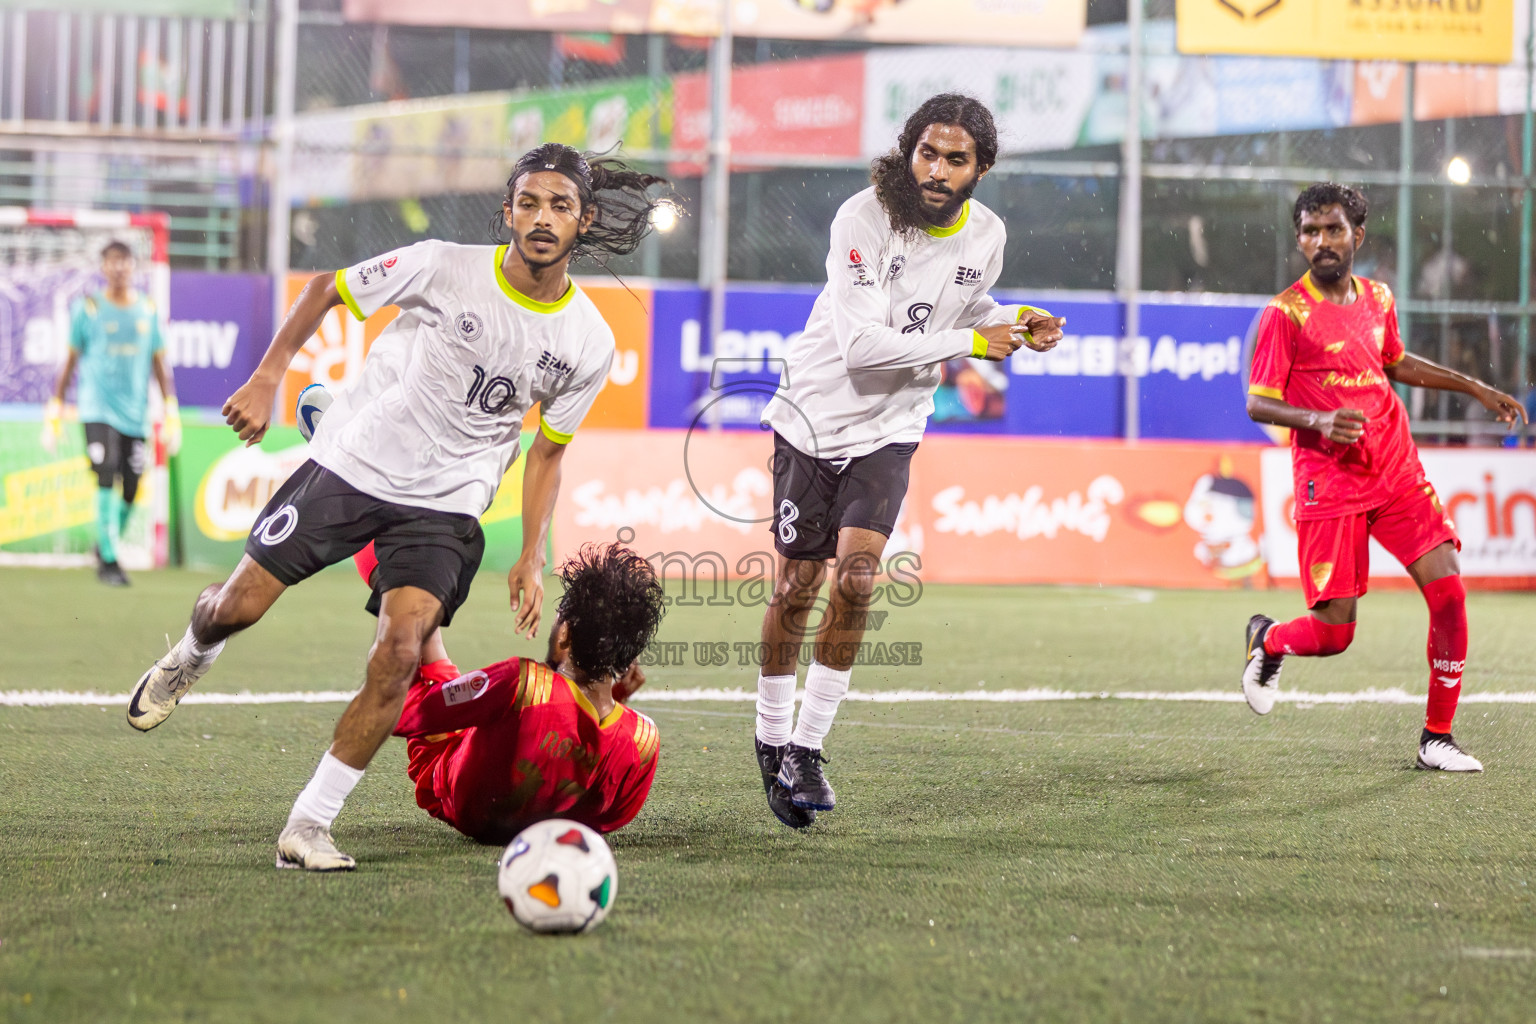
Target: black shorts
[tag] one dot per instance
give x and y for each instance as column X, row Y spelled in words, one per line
column 815, row 498
column 113, row 454
column 317, row 519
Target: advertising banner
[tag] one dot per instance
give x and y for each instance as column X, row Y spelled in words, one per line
column 224, row 485
column 1039, row 98
column 412, row 148
column 811, row 107
column 1190, row 363
column 220, row 326
column 1489, row 492
column 978, row 510
column 48, row 502
column 1481, row 32
column 1440, row 91
column 1035, row 22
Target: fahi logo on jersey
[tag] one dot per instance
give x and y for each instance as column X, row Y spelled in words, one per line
column 551, row 363
column 469, row 326
column 967, row 275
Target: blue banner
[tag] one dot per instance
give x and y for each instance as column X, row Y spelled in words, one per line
column 220, row 324
column 1190, row 361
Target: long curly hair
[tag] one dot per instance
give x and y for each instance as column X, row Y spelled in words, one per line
column 891, row 174
column 621, row 195
column 612, row 605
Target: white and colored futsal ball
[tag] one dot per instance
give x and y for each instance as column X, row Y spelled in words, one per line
column 313, row 401
column 558, row 876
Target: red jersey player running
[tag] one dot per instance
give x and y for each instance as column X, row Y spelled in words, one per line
column 1328, row 349
column 494, row 750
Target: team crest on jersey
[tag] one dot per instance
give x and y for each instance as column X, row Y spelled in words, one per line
column 967, row 275
column 898, row 264
column 469, row 326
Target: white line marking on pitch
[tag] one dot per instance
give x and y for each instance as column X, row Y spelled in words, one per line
column 61, row 698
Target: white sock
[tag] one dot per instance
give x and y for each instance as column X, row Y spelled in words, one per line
column 200, row 652
column 775, row 708
column 825, row 689
column 322, row 799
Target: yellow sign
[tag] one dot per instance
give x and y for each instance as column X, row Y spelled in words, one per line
column 1443, row 31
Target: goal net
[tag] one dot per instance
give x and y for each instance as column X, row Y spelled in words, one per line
column 48, row 261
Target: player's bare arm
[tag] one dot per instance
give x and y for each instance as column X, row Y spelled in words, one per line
column 1418, row 372
column 1341, row 426
column 249, row 409
column 541, row 483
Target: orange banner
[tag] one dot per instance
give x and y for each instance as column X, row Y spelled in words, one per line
column 978, row 509
column 334, row 356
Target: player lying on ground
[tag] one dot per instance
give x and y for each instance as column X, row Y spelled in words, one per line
column 412, row 455
column 494, row 750
column 115, row 340
column 911, row 262
column 1328, row 350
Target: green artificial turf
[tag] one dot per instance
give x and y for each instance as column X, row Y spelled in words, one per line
column 1099, row 860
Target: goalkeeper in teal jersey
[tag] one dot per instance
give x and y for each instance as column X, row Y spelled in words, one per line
column 115, row 340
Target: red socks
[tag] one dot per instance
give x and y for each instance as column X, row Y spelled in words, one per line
column 1308, row 637
column 1447, row 600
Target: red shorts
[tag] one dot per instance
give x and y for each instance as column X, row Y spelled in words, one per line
column 1335, row 553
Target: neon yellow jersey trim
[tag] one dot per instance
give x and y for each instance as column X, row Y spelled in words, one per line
column 553, row 434
column 965, row 215
column 978, row 345
column 518, row 297
column 1264, row 392
column 346, row 294
column 586, row 705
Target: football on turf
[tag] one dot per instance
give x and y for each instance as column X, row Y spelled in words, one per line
column 313, row 401
column 558, row 876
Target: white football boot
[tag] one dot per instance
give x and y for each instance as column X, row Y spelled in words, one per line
column 161, row 688
column 1439, row 752
column 1261, row 674
column 308, row 845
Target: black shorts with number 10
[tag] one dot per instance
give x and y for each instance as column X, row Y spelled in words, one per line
column 815, row 498
column 317, row 519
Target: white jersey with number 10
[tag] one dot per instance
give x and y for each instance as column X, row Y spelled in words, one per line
column 435, row 417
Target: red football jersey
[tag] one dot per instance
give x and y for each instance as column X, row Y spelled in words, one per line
column 531, row 747
column 1315, row 354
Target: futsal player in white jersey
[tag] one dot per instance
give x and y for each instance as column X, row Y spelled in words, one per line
column 912, row 260
column 412, row 454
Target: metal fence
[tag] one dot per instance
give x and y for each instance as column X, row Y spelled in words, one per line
column 190, row 115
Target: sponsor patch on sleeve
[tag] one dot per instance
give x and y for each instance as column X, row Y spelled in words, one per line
column 465, row 688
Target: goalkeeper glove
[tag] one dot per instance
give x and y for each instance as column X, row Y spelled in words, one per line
column 170, row 430
column 53, row 426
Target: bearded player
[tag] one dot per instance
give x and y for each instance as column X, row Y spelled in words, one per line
column 1327, row 354
column 911, row 262
column 494, row 750
column 412, row 456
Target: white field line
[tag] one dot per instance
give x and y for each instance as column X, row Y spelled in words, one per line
column 60, row 698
